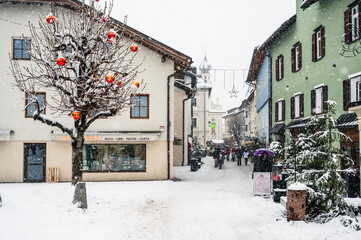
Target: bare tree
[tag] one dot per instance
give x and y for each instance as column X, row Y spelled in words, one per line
column 84, row 61
column 236, row 128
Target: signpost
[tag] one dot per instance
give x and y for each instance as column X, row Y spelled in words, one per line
column 262, row 183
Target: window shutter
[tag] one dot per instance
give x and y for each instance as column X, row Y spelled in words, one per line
column 282, row 67
column 293, row 59
column 313, row 101
column 292, row 107
column 323, row 45
column 276, row 111
column 346, row 94
column 347, row 17
column 299, row 56
column 301, row 106
column 324, row 98
column 314, row 58
column 277, row 70
column 283, row 110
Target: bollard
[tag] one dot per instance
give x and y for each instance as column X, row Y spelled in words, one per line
column 79, row 198
column 296, row 202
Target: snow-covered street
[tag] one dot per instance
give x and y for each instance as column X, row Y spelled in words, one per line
column 207, row 204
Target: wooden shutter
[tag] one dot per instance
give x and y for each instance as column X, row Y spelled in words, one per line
column 301, row 106
column 292, row 107
column 313, row 101
column 314, row 57
column 276, row 111
column 348, row 34
column 282, row 67
column 324, row 98
column 277, row 70
column 346, row 94
column 293, row 59
column 323, row 44
column 283, row 110
column 299, row 56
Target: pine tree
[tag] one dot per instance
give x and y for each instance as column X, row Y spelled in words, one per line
column 317, row 160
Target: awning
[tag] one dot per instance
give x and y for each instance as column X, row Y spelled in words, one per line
column 277, row 128
column 347, row 120
column 217, row 141
column 99, row 136
column 298, row 123
column 5, row 135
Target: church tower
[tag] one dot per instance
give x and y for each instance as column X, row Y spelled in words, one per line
column 205, row 69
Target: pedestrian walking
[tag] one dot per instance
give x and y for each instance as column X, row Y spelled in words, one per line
column 239, row 156
column 246, row 156
column 228, row 151
column 233, row 154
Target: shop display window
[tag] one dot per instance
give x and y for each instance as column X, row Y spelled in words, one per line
column 114, row 158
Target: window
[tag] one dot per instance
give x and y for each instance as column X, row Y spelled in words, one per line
column 140, row 107
column 194, row 101
column 279, row 67
column 318, row 44
column 31, row 106
column 114, row 157
column 280, row 110
column 296, row 56
column 297, row 106
column 194, row 122
column 355, row 83
column 352, row 22
column 319, row 97
column 21, row 48
column 355, row 22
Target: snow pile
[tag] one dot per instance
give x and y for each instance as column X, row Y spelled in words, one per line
column 297, row 187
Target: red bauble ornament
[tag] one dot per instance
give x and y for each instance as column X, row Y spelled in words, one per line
column 60, row 61
column 105, row 19
column 119, row 84
column 135, row 84
column 50, row 18
column 134, row 48
column 111, row 35
column 97, row 0
column 76, row 115
column 109, row 78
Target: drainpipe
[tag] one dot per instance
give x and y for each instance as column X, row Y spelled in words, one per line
column 168, row 125
column 184, row 100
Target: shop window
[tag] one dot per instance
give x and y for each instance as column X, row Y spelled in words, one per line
column 21, row 48
column 140, row 107
column 114, row 157
column 194, row 122
column 31, row 106
column 194, row 101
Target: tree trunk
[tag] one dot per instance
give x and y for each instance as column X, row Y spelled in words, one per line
column 77, row 157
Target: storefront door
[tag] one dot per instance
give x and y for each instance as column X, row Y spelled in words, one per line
column 34, row 162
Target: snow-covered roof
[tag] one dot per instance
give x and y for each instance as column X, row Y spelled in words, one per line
column 348, row 120
column 306, row 3
column 297, row 187
column 181, row 60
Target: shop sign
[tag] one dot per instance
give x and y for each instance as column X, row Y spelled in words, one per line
column 109, row 138
column 262, row 183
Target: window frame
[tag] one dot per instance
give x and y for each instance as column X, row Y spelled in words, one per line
column 131, row 108
column 354, row 17
column 23, row 40
column 279, row 68
column 318, row 44
column 26, row 103
column 194, row 119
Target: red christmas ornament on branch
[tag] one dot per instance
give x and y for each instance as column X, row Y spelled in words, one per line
column 76, row 115
column 119, row 84
column 135, row 84
column 109, row 78
column 61, row 61
column 134, row 48
column 50, row 18
column 111, row 35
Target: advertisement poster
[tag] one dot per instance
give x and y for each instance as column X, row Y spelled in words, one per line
column 262, row 183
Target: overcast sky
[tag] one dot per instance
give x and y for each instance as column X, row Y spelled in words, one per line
column 226, row 30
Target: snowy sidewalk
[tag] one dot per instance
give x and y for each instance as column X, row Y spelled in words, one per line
column 207, row 204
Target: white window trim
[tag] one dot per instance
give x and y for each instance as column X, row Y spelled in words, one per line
column 297, row 106
column 297, row 53
column 318, row 44
column 319, row 109
column 320, row 85
column 280, row 108
column 280, row 76
column 354, row 75
column 355, row 17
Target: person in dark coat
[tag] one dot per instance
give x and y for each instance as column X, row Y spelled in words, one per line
column 239, row 155
column 263, row 164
